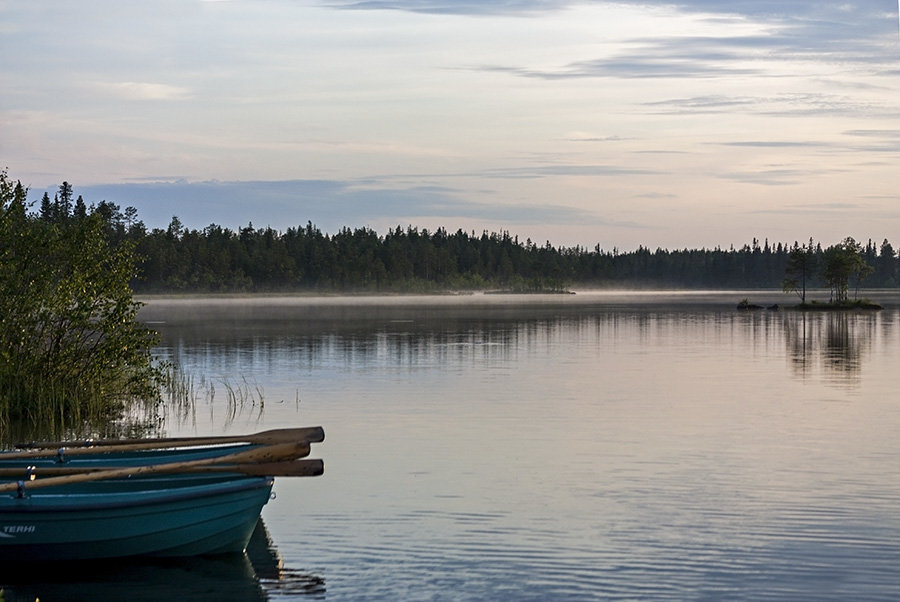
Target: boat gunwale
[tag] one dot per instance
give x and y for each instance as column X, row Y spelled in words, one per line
column 164, row 496
column 160, row 455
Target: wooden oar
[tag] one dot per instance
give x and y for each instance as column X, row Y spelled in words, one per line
column 26, row 454
column 270, row 453
column 287, row 468
column 313, row 434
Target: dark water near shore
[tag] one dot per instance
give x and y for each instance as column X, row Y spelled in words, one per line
column 595, row 446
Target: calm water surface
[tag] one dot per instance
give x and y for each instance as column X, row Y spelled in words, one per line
column 595, row 446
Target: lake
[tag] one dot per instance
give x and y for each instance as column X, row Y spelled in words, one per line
column 565, row 447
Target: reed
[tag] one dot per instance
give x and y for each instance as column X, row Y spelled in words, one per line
column 184, row 393
column 49, row 409
column 40, row 408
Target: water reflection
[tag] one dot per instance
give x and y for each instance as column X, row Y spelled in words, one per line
column 579, row 453
column 837, row 342
column 243, row 338
column 258, row 575
column 274, row 577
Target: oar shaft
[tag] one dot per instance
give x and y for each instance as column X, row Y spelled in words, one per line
column 313, row 434
column 89, row 451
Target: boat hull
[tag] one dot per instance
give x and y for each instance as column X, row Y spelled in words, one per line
column 182, row 516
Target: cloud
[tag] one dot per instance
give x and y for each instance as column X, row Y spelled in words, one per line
column 143, row 91
column 807, row 208
column 804, row 25
column 874, row 133
column 749, row 39
column 780, row 105
column 566, row 170
column 774, row 143
column 458, row 7
column 656, row 195
column 630, row 67
column 778, row 177
column 717, row 103
column 585, row 137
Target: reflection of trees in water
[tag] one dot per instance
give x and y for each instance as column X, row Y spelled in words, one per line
column 377, row 341
column 836, row 341
column 257, row 341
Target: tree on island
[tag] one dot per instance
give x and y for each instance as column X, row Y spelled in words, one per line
column 800, row 267
column 841, row 263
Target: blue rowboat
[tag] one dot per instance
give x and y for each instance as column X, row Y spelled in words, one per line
column 121, row 503
column 182, row 515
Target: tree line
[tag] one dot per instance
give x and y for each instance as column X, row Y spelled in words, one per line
column 411, row 259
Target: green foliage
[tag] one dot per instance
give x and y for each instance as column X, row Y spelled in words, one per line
column 841, row 263
column 799, row 269
column 70, row 346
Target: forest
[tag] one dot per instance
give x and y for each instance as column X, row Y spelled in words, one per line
column 217, row 259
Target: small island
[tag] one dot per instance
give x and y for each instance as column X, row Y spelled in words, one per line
column 837, row 266
column 856, row 304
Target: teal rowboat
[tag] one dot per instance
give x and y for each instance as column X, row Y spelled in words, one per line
column 175, row 497
column 181, row 515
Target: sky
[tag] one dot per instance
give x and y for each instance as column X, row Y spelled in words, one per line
column 664, row 124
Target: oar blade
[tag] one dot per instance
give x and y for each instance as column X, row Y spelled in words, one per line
column 292, row 468
column 313, row 434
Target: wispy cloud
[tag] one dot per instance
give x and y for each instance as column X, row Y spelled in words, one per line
column 874, row 133
column 143, row 91
column 775, row 143
column 785, row 105
column 566, row 170
column 457, row 7
column 635, row 66
column 778, row 176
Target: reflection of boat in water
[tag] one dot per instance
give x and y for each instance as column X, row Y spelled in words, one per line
column 270, row 569
column 246, row 577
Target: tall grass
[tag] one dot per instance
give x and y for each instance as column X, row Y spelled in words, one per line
column 88, row 412
column 185, row 394
column 60, row 414
column 54, row 407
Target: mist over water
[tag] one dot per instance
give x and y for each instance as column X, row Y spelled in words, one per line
column 576, row 447
column 595, row 446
